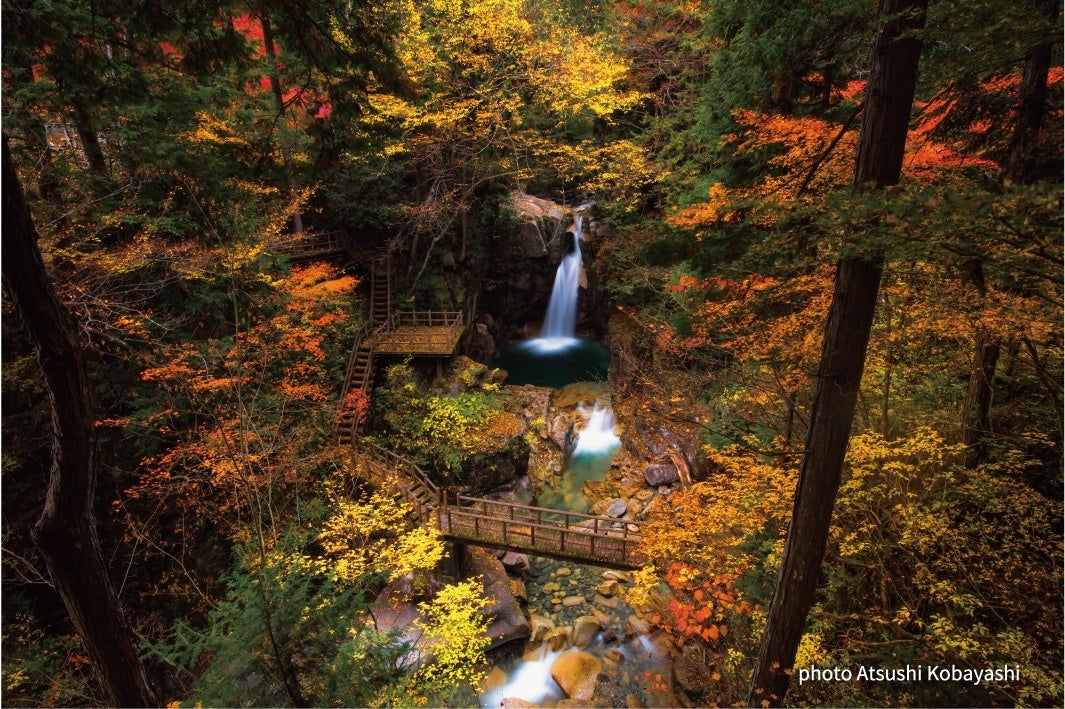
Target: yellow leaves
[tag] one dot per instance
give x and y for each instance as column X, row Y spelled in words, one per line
column 577, row 74
column 211, row 129
column 241, row 254
column 457, row 637
column 373, row 536
column 709, row 522
column 642, row 592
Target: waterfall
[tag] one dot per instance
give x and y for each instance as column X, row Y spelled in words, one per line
column 560, row 322
column 561, row 318
column 597, row 437
column 590, row 460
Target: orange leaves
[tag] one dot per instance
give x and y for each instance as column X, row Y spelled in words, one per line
column 717, row 208
column 764, row 319
column 171, row 371
column 309, row 284
column 248, row 400
column 704, row 616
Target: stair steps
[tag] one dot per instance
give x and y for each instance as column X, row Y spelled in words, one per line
column 380, row 290
column 360, row 364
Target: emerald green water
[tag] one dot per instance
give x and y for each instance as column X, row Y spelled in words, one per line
column 553, row 361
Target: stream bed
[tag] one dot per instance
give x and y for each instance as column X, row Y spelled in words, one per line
column 577, row 610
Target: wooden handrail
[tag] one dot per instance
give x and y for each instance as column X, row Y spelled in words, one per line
column 569, row 520
column 428, row 318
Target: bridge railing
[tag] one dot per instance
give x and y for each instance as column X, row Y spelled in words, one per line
column 538, row 530
column 553, row 532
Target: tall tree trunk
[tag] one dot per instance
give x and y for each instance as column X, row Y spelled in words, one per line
column 1033, row 101
column 976, row 409
column 889, row 100
column 90, row 142
column 279, row 104
column 66, row 530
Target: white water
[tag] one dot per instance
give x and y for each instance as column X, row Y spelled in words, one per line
column 598, row 436
column 530, row 681
column 560, row 322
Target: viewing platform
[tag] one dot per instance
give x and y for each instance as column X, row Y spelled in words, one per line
column 309, row 245
column 420, row 333
column 424, row 333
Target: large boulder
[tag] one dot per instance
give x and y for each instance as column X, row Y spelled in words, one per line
column 577, row 673
column 658, row 474
column 585, row 629
column 506, row 621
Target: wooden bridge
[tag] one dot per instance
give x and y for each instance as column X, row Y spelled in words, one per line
column 569, row 536
column 418, row 333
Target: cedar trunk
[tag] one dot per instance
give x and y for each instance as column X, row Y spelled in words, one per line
column 66, row 530
column 889, row 100
column 1033, row 101
column 279, row 104
column 976, row 409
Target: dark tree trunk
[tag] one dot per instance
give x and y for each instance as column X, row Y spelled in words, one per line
column 976, row 409
column 66, row 530
column 90, row 142
column 1033, row 102
column 889, row 100
column 279, row 104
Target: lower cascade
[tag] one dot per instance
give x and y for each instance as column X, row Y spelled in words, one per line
column 596, row 444
column 598, row 436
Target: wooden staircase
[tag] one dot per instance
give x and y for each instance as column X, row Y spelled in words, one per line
column 359, row 375
column 380, row 289
column 357, row 379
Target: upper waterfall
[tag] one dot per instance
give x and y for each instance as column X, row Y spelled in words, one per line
column 560, row 323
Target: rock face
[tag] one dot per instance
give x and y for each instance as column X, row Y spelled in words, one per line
column 506, row 621
column 542, row 224
column 577, row 673
column 519, row 275
column 480, row 345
